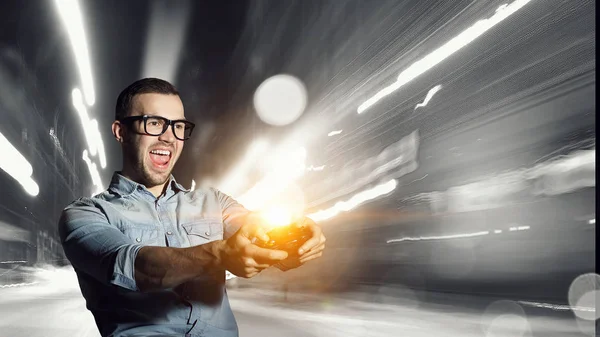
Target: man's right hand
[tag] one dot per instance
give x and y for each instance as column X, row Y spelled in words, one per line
column 244, row 259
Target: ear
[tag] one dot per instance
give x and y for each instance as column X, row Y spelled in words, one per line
column 118, row 131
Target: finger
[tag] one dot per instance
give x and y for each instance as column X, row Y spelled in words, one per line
column 266, row 256
column 250, row 270
column 313, row 251
column 321, row 243
column 253, row 231
column 247, row 229
column 316, row 256
column 250, row 262
column 260, row 234
column 314, row 241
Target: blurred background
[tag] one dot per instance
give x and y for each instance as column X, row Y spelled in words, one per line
column 446, row 147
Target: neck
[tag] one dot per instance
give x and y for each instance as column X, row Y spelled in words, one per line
column 157, row 190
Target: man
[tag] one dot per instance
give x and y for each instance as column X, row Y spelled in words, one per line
column 150, row 255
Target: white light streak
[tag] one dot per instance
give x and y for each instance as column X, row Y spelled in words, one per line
column 17, row 166
column 96, row 181
column 430, row 94
column 70, row 13
column 90, row 128
column 557, row 307
column 14, row 285
column 334, row 133
column 237, row 176
column 592, row 221
column 497, row 231
column 285, row 167
column 316, row 168
column 443, row 52
column 193, row 185
column 57, row 143
column 357, row 199
column 441, row 237
column 395, row 161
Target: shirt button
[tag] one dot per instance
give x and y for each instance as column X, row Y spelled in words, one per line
column 207, row 233
column 138, row 240
column 169, row 233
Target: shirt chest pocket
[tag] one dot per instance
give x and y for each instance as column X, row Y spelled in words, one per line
column 203, row 231
column 142, row 235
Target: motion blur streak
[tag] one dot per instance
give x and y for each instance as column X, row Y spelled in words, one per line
column 315, row 168
column 90, row 127
column 56, row 142
column 445, row 51
column 235, row 179
column 9, row 232
column 70, row 13
column 498, row 138
column 356, row 200
column 97, row 182
column 13, row 163
column 395, row 161
column 442, row 237
column 429, row 96
column 557, row 176
column 284, row 167
column 166, row 32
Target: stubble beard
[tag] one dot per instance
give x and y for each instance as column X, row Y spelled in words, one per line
column 144, row 173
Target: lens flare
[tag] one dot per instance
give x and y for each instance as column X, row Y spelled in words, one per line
column 280, row 100
column 277, row 216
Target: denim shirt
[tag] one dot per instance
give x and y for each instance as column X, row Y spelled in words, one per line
column 102, row 235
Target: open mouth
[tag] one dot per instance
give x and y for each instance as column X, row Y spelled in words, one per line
column 160, row 158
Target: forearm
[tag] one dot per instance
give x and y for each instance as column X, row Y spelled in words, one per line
column 167, row 267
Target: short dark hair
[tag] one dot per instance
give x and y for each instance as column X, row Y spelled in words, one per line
column 143, row 86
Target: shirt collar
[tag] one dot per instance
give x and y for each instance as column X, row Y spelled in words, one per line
column 125, row 186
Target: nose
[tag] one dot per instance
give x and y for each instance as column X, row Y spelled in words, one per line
column 168, row 136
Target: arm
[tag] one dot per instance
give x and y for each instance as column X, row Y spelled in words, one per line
column 166, row 267
column 233, row 213
column 99, row 249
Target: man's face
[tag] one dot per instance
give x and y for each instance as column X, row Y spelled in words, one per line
column 152, row 158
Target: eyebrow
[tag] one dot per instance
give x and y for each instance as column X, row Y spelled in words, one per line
column 156, row 115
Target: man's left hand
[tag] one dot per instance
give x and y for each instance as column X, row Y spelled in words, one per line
column 310, row 250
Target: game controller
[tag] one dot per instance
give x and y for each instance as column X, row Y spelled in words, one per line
column 288, row 238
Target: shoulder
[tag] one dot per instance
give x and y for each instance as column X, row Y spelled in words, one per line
column 94, row 201
column 84, row 207
column 201, row 193
column 209, row 196
column 80, row 203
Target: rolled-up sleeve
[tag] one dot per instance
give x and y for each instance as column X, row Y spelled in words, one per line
column 234, row 214
column 96, row 247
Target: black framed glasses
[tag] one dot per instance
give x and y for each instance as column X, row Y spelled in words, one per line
column 157, row 125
